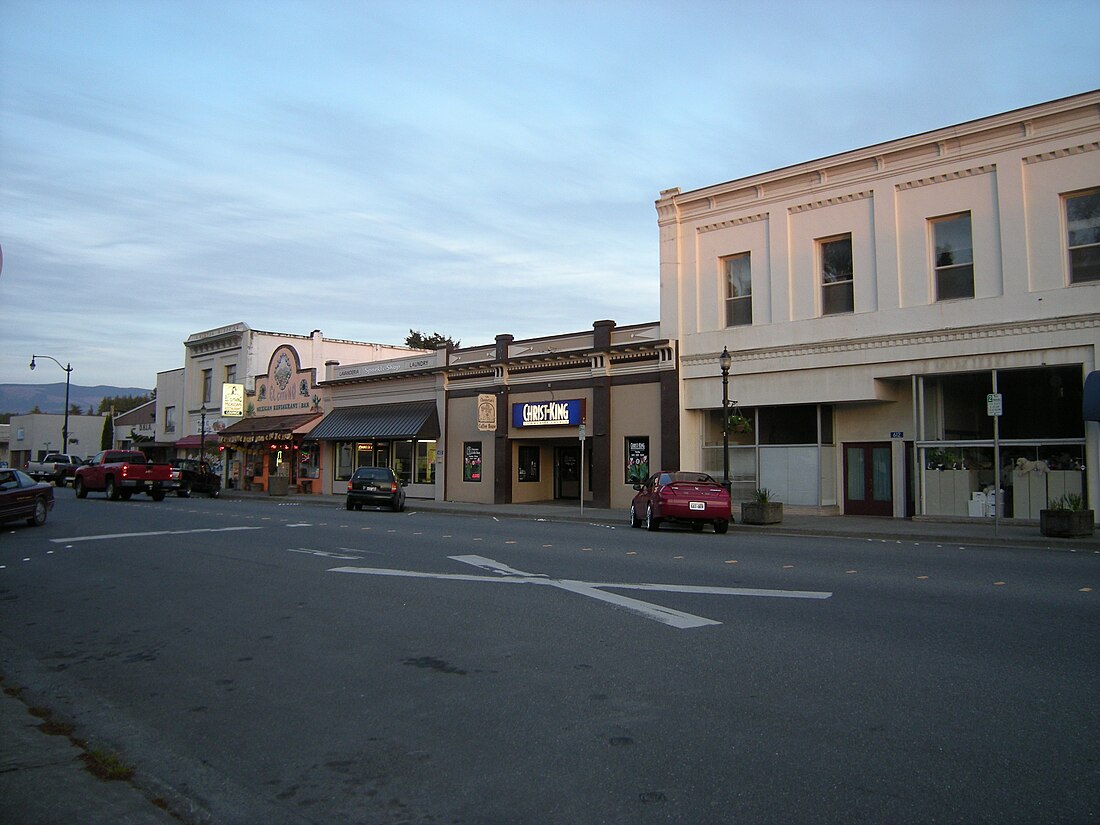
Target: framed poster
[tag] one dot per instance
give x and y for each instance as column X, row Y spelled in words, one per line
column 471, row 461
column 637, row 459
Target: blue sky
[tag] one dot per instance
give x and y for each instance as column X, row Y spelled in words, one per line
column 469, row 168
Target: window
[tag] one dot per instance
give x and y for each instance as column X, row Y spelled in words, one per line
column 1083, row 227
column 207, row 385
column 738, row 272
column 231, row 374
column 425, row 462
column 528, row 463
column 836, row 276
column 953, row 261
column 169, row 419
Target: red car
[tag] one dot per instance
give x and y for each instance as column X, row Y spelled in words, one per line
column 21, row 497
column 681, row 496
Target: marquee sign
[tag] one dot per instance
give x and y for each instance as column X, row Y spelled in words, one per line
column 568, row 413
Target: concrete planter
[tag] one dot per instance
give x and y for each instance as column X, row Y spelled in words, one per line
column 278, row 485
column 755, row 512
column 1066, row 524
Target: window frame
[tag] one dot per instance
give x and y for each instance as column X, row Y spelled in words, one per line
column 844, row 285
column 1071, row 248
column 952, row 268
column 207, row 385
column 734, row 304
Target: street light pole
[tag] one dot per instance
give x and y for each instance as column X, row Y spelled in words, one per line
column 68, row 372
column 202, row 434
column 725, row 360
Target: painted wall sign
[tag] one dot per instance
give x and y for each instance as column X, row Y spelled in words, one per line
column 287, row 388
column 549, row 413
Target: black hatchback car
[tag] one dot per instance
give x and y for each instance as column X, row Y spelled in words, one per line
column 377, row 487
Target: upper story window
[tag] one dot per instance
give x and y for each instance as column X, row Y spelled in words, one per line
column 169, row 419
column 953, row 261
column 738, row 271
column 207, row 385
column 837, row 295
column 231, row 374
column 1083, row 228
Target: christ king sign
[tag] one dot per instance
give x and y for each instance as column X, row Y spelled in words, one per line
column 549, row 413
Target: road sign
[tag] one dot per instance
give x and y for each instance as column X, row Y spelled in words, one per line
column 994, row 404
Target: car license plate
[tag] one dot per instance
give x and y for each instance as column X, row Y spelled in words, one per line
column 697, row 505
column 370, row 488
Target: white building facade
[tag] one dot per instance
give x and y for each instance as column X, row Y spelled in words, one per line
column 872, row 301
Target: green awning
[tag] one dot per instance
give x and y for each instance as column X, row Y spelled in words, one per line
column 412, row 419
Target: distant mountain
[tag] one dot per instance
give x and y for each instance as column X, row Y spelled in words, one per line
column 50, row 398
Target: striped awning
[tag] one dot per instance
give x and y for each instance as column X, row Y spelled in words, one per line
column 412, row 419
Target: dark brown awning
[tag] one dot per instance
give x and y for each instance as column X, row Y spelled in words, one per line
column 259, row 429
column 412, row 419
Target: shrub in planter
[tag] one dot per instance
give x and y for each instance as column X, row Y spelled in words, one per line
column 1066, row 517
column 761, row 510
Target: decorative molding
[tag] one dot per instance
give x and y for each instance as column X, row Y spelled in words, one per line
column 1062, row 153
column 763, row 216
column 906, row 340
column 852, row 196
column 956, row 174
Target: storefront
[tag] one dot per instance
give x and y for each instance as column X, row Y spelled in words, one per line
column 564, row 418
column 266, row 449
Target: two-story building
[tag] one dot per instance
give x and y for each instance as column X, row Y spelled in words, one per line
column 881, row 305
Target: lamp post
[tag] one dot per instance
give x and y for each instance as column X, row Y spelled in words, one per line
column 202, row 433
column 68, row 373
column 725, row 360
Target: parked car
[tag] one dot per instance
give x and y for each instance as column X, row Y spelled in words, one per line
column 56, row 467
column 21, row 497
column 681, row 496
column 193, row 476
column 120, row 474
column 375, row 486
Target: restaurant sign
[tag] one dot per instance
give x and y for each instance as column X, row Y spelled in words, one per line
column 287, row 388
column 569, row 413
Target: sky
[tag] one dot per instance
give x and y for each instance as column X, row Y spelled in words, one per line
column 468, row 168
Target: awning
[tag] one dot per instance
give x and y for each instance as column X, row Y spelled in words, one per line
column 1090, row 406
column 196, row 440
column 412, row 419
column 259, row 429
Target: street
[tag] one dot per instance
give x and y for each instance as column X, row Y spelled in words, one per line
column 292, row 662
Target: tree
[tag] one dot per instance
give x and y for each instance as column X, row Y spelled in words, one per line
column 121, row 403
column 107, row 439
column 418, row 340
column 76, row 409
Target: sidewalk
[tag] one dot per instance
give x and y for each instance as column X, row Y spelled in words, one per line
column 43, row 779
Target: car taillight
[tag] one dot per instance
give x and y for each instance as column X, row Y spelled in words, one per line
column 393, row 486
column 349, row 486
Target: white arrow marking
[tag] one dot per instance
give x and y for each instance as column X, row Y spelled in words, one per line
column 594, row 590
column 155, row 533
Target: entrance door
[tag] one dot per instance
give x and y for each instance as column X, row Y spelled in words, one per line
column 868, row 479
column 567, row 472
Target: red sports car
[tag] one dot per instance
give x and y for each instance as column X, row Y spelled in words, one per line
column 21, row 497
column 681, row 496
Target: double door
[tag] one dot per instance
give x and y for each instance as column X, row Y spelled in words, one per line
column 868, row 479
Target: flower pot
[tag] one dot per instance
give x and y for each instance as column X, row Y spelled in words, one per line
column 1066, row 524
column 756, row 512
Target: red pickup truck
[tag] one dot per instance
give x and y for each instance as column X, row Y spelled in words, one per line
column 120, row 474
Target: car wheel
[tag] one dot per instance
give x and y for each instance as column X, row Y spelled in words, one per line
column 156, row 495
column 651, row 522
column 111, row 489
column 399, row 505
column 349, row 505
column 634, row 520
column 39, row 517
column 183, row 491
column 215, row 493
column 721, row 526
column 81, row 490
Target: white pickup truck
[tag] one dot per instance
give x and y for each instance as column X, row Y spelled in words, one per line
column 56, row 467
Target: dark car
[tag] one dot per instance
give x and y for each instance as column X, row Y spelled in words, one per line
column 681, row 496
column 375, row 486
column 193, row 476
column 21, row 497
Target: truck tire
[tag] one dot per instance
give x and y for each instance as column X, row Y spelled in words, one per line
column 78, row 486
column 111, row 489
column 184, row 490
column 156, row 495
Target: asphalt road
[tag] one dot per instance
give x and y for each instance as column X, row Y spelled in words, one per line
column 297, row 663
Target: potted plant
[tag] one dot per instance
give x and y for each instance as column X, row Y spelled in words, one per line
column 1066, row 517
column 740, row 424
column 761, row 510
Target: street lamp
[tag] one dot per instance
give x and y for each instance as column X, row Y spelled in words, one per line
column 68, row 372
column 202, row 433
column 725, row 360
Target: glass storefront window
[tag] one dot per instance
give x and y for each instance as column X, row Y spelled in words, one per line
column 425, row 462
column 345, row 458
column 403, row 460
column 309, row 461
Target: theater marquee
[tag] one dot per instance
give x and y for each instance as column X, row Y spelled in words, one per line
column 569, row 413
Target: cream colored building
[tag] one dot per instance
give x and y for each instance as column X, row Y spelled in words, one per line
column 872, row 301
